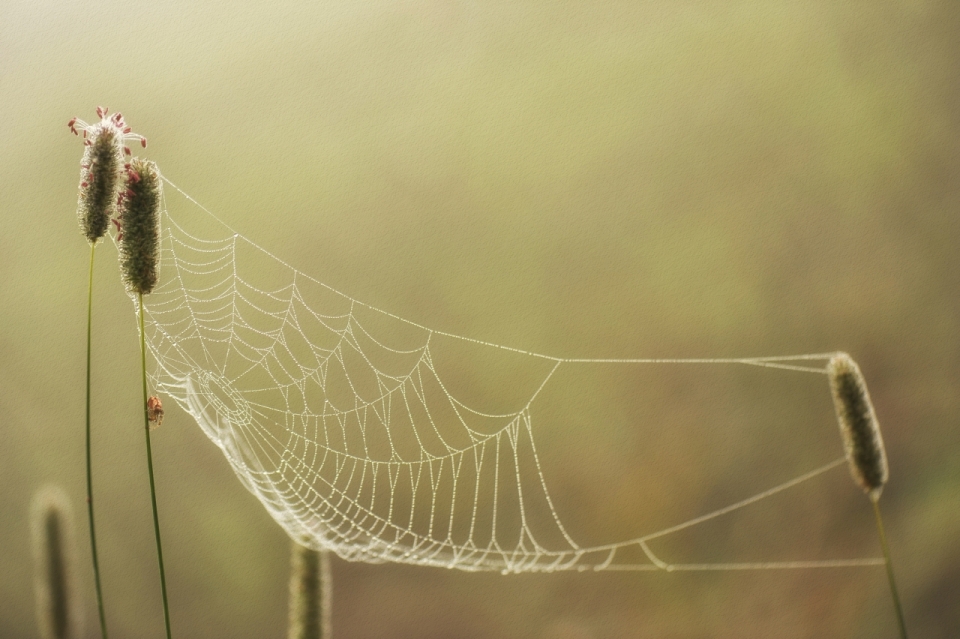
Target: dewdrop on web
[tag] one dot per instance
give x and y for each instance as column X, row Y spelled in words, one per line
column 101, row 169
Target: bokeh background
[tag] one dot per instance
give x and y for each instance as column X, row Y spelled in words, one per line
column 593, row 179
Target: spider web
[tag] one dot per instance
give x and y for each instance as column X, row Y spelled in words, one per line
column 337, row 417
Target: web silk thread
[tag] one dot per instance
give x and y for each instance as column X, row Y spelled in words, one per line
column 400, row 471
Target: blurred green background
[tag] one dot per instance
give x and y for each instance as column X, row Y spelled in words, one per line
column 595, row 179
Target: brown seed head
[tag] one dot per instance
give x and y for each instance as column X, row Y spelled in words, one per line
column 58, row 611
column 99, row 180
column 140, row 226
column 101, row 172
column 858, row 425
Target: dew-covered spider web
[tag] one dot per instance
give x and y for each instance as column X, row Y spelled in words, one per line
column 336, row 416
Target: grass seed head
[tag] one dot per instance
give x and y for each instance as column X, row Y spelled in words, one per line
column 58, row 612
column 101, row 170
column 858, row 425
column 139, row 226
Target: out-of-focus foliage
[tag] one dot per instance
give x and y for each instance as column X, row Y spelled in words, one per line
column 582, row 179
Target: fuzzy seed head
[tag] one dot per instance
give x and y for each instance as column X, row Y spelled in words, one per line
column 858, row 425
column 100, row 170
column 58, row 611
column 140, row 226
column 99, row 178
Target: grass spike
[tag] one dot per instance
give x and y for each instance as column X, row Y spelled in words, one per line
column 58, row 611
column 864, row 449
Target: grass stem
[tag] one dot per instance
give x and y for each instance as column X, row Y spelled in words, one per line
column 153, row 490
column 890, row 578
column 93, row 531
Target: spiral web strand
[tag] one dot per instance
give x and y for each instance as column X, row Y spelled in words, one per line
column 336, row 416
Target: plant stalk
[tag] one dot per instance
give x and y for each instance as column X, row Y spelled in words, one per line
column 889, row 565
column 310, row 594
column 153, row 490
column 93, row 531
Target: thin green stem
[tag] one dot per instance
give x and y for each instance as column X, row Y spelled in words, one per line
column 153, row 489
column 886, row 556
column 93, row 531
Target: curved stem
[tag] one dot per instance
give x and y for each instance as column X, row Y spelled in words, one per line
column 93, row 531
column 890, row 578
column 153, row 489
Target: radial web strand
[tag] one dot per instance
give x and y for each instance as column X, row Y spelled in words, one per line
column 336, row 416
